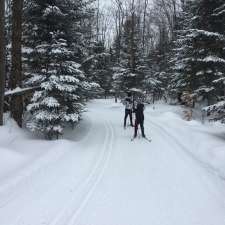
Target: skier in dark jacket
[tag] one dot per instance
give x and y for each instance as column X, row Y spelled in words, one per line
column 128, row 109
column 139, row 118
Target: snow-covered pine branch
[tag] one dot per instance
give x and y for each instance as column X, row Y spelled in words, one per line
column 20, row 91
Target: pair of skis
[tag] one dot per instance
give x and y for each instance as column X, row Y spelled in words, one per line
column 147, row 139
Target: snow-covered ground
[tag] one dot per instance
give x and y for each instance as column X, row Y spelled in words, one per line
column 97, row 176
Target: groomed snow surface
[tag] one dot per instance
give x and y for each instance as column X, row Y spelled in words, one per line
column 97, row 176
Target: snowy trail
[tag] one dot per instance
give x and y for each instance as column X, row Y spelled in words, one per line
column 105, row 179
column 185, row 149
column 198, row 164
column 42, row 185
column 70, row 213
column 153, row 184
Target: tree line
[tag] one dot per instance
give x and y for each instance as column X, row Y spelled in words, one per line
column 57, row 54
column 172, row 48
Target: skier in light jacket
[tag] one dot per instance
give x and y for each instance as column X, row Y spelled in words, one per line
column 128, row 109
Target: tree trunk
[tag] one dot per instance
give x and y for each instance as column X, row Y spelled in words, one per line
column 132, row 50
column 119, row 36
column 97, row 28
column 168, row 16
column 2, row 59
column 144, row 25
column 16, row 73
column 119, row 25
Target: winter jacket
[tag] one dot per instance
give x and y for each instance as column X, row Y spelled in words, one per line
column 128, row 103
column 139, row 111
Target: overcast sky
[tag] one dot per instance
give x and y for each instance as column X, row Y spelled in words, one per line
column 105, row 2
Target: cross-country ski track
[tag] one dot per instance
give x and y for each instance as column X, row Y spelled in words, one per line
column 97, row 176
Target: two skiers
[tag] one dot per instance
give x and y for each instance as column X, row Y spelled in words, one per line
column 138, row 108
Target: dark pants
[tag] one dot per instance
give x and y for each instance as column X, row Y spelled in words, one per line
column 128, row 112
column 137, row 123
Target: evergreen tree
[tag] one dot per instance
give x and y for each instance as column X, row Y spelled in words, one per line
column 199, row 56
column 208, row 43
column 153, row 82
column 219, row 21
column 182, row 78
column 217, row 111
column 129, row 71
column 98, row 67
column 157, row 74
column 53, row 47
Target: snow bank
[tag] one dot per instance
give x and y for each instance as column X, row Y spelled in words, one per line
column 10, row 158
column 19, row 150
column 204, row 143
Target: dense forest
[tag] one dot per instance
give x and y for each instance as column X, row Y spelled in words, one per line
column 57, row 54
